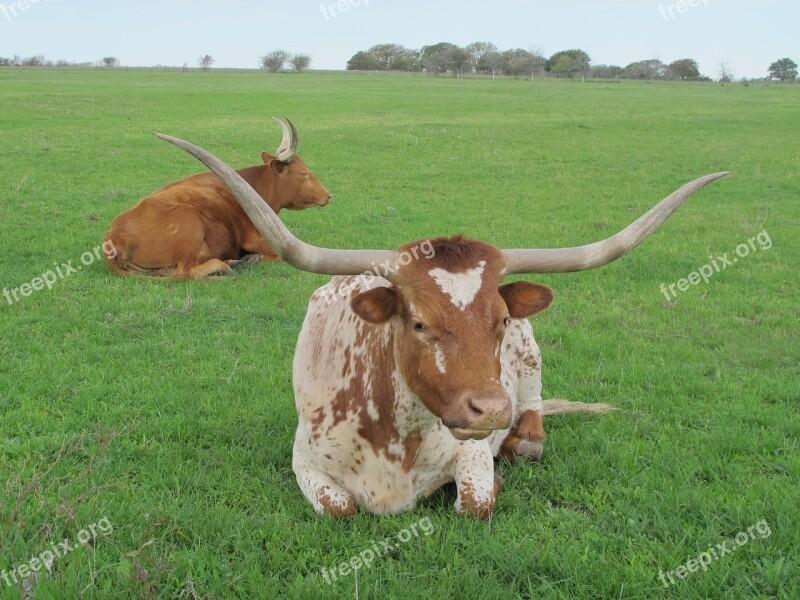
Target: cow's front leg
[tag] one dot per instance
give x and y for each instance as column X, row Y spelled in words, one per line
column 325, row 495
column 526, row 438
column 258, row 245
column 244, row 262
column 477, row 483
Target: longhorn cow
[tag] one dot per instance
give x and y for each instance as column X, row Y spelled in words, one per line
column 420, row 377
column 195, row 228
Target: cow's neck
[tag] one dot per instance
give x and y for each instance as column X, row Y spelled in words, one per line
column 262, row 179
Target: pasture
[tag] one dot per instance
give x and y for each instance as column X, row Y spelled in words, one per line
column 166, row 408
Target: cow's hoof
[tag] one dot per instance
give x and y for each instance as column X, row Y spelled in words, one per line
column 338, row 505
column 515, row 448
column 244, row 262
column 531, row 451
column 468, row 505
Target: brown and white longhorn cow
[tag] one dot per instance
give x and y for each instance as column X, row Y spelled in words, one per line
column 418, row 378
column 195, row 227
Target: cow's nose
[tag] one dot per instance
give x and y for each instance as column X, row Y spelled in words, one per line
column 489, row 410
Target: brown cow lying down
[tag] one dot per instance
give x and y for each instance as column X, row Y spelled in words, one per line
column 195, row 228
column 424, row 368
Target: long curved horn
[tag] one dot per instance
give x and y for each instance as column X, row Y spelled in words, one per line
column 288, row 147
column 295, row 137
column 291, row 249
column 583, row 258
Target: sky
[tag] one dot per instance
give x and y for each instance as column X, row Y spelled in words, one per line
column 748, row 35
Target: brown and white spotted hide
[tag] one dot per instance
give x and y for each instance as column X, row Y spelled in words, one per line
column 403, row 387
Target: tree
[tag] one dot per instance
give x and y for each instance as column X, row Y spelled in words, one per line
column 516, row 62
column 438, row 58
column 205, row 62
column 491, row 62
column 684, row 69
column 385, row 57
column 563, row 66
column 649, row 70
column 111, row 61
column 479, row 51
column 536, row 61
column 607, row 71
column 783, row 69
column 275, row 60
column 37, row 60
column 569, row 62
column 363, row 61
column 386, row 54
column 725, row 73
column 460, row 59
column 300, row 62
column 405, row 60
column 5, row 62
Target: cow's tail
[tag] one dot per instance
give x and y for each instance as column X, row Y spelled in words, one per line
column 563, row 407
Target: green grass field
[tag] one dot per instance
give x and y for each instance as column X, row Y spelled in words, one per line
column 167, row 408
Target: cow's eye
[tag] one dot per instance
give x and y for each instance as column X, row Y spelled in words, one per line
column 419, row 327
column 507, row 322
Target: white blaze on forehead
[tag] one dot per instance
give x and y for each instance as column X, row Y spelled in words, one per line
column 461, row 287
column 440, row 360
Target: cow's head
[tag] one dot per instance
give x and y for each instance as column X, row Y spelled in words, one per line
column 450, row 309
column 296, row 187
column 451, row 316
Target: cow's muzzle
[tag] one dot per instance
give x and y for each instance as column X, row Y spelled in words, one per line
column 481, row 414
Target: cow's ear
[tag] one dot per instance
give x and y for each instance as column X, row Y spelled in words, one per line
column 525, row 299
column 276, row 165
column 377, row 306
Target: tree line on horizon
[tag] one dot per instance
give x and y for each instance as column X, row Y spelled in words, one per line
column 39, row 60
column 486, row 58
column 273, row 62
column 477, row 58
